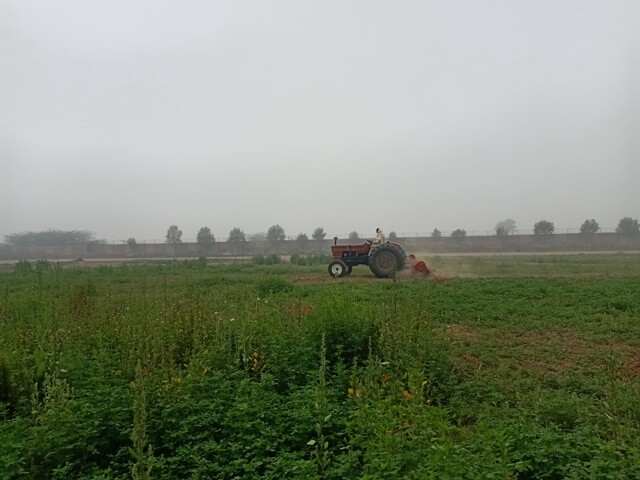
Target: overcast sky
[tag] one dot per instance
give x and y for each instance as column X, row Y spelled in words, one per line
column 123, row 117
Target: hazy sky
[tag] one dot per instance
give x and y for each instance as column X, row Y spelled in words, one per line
column 123, row 117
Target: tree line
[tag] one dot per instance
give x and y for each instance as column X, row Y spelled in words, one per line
column 626, row 226
column 276, row 234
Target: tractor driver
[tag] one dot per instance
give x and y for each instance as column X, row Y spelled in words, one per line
column 380, row 238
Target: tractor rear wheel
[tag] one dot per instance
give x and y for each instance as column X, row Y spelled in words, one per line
column 337, row 269
column 386, row 259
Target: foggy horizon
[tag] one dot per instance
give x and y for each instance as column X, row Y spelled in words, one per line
column 126, row 117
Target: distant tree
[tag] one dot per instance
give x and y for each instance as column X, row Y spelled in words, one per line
column 318, row 234
column 393, row 236
column 543, row 227
column 50, row 238
column 131, row 242
column 459, row 233
column 205, row 237
column 237, row 240
column 236, row 236
column 303, row 241
column 174, row 235
column 505, row 227
column 628, row 226
column 589, row 227
column 354, row 236
column 437, row 233
column 275, row 234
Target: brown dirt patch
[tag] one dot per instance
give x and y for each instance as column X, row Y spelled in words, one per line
column 299, row 309
column 632, row 364
column 549, row 351
column 566, row 350
column 463, row 333
column 469, row 362
column 569, row 342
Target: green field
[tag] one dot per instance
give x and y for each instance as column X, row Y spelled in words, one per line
column 514, row 367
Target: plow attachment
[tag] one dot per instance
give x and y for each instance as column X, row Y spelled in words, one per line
column 418, row 267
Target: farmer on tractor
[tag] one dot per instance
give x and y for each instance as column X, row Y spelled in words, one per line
column 382, row 257
column 380, row 238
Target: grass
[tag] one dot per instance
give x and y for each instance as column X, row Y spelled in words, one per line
column 516, row 367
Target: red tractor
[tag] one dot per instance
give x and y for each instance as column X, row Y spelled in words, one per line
column 384, row 259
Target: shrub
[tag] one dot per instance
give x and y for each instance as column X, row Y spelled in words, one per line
column 23, row 266
column 274, row 285
column 272, row 259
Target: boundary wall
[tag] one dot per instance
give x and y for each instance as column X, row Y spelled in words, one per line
column 568, row 242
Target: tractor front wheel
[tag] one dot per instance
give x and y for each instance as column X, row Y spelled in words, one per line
column 337, row 269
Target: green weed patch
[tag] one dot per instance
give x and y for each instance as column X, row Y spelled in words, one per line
column 189, row 371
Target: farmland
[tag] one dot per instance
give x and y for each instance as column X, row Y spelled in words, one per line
column 514, row 367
